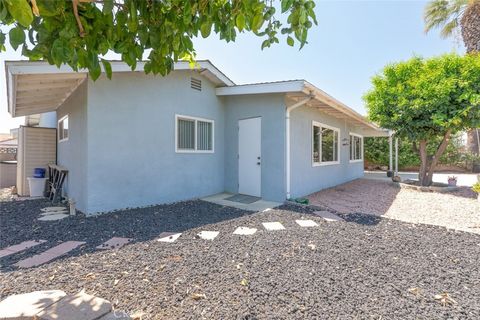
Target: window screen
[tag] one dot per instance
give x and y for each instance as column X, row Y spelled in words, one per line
column 194, row 135
column 186, row 134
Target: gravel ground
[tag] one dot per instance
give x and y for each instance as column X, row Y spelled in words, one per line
column 458, row 210
column 364, row 268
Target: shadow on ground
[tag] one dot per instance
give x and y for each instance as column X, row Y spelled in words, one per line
column 18, row 223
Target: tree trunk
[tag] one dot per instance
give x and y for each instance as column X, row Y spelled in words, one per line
column 425, row 175
column 470, row 25
column 473, row 143
column 422, row 174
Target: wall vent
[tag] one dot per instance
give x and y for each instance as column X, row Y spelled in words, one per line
column 196, row 84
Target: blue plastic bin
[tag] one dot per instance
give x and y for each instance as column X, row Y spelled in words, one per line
column 39, row 173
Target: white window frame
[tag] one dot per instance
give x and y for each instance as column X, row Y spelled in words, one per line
column 196, row 119
column 58, row 128
column 350, row 147
column 324, row 163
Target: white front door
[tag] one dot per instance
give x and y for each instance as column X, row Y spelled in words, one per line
column 250, row 156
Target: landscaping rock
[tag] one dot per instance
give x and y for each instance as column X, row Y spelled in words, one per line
column 363, row 268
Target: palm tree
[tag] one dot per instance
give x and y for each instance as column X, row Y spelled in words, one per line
column 449, row 15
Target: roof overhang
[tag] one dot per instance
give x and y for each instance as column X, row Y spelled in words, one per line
column 297, row 90
column 35, row 87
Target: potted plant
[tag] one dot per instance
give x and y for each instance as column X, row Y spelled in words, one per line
column 476, row 188
column 452, row 181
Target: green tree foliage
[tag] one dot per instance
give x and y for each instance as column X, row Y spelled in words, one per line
column 79, row 32
column 423, row 99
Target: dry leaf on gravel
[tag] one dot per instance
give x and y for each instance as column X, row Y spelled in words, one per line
column 90, row 275
column 415, row 291
column 198, row 296
column 244, row 282
column 444, row 299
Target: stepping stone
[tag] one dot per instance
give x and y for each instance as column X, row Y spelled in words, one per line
column 114, row 243
column 19, row 247
column 53, row 209
column 49, row 255
column 245, row 231
column 48, row 213
column 27, row 305
column 328, row 216
column 271, row 226
column 168, row 236
column 208, row 235
column 306, row 223
column 53, row 217
column 80, row 306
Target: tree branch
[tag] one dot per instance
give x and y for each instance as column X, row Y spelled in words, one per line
column 440, row 150
column 77, row 17
column 415, row 148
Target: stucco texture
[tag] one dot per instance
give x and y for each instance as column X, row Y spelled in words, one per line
column 131, row 134
column 271, row 108
column 306, row 178
column 73, row 153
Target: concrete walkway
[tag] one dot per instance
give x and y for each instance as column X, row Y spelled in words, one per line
column 259, row 205
column 463, row 179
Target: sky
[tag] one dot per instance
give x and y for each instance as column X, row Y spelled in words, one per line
column 353, row 41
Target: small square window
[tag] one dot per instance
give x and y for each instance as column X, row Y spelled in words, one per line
column 194, row 134
column 63, row 132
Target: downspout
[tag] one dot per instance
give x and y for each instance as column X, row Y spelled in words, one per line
column 287, row 137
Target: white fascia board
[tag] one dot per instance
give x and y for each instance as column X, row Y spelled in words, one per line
column 262, row 88
column 334, row 103
column 42, row 67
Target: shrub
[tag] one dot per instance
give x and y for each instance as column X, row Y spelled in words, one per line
column 476, row 187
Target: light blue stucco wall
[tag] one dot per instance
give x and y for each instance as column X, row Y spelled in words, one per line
column 305, row 178
column 272, row 110
column 131, row 133
column 72, row 153
column 121, row 149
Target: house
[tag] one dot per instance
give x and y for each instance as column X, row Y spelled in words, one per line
column 140, row 140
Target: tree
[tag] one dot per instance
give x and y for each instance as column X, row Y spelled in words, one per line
column 450, row 15
column 421, row 99
column 80, row 32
